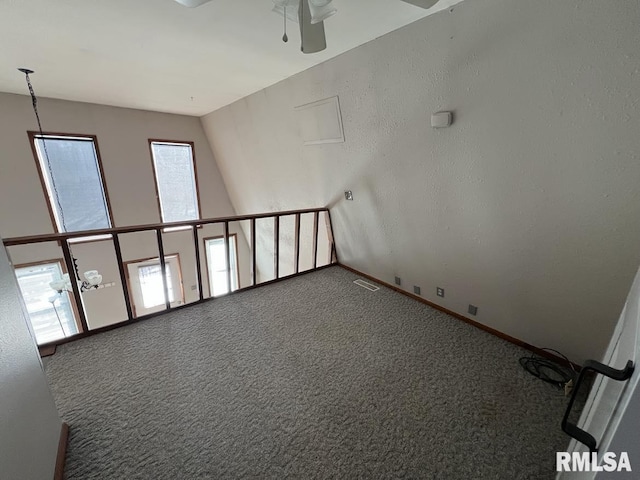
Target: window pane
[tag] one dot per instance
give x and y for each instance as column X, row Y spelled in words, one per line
column 150, row 277
column 175, row 178
column 50, row 314
column 78, row 186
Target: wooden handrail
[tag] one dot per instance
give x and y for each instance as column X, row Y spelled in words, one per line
column 57, row 237
column 66, row 241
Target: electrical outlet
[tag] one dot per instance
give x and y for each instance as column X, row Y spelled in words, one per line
column 416, row 290
column 398, row 281
column 440, row 291
column 473, row 310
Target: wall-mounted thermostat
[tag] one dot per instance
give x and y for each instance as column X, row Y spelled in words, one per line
column 441, row 119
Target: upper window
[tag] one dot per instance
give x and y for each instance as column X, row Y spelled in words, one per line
column 176, row 184
column 72, row 176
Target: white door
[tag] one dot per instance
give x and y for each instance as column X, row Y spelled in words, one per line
column 147, row 288
column 611, row 401
column 217, row 265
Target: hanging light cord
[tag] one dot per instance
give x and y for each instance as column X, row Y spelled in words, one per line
column 34, row 102
column 285, row 38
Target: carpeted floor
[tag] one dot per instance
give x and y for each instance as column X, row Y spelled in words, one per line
column 313, row 377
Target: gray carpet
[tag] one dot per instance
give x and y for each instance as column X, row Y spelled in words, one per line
column 313, row 377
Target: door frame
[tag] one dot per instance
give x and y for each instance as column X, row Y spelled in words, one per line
column 206, row 254
column 142, row 260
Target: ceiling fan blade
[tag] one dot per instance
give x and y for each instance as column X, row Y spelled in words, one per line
column 422, row 3
column 192, row 3
column 312, row 34
column 321, row 10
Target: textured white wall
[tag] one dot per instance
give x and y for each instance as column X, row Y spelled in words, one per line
column 528, row 206
column 29, row 422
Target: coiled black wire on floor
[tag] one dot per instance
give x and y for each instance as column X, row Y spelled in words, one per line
column 548, row 370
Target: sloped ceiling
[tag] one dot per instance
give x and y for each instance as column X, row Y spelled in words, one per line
column 158, row 55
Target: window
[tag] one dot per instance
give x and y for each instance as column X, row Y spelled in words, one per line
column 73, row 181
column 217, row 264
column 176, row 184
column 50, row 313
column 144, row 278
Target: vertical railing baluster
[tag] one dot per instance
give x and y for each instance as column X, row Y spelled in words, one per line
column 297, row 243
column 276, row 246
column 253, row 251
column 333, row 255
column 315, row 239
column 163, row 269
column 123, row 278
column 71, row 268
column 227, row 253
column 196, row 246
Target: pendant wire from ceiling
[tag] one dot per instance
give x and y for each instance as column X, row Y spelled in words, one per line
column 85, row 285
column 34, row 102
column 285, row 38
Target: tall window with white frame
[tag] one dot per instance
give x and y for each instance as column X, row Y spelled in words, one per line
column 176, row 180
column 73, row 181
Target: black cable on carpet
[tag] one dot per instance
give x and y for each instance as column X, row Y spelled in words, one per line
column 548, row 370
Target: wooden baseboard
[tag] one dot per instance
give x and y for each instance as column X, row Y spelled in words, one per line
column 62, row 452
column 497, row 333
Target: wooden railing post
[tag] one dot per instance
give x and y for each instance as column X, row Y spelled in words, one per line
column 276, row 246
column 196, row 245
column 297, row 244
column 71, row 268
column 333, row 255
column 253, row 252
column 123, row 278
column 227, row 253
column 315, row 240
column 163, row 269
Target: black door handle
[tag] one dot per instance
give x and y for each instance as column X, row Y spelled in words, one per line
column 573, row 430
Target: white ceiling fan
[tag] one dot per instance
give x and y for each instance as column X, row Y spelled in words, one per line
column 310, row 16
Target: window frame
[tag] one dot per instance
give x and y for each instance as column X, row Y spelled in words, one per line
column 206, row 254
column 151, row 141
column 45, row 191
column 72, row 300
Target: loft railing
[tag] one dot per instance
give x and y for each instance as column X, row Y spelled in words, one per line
column 66, row 242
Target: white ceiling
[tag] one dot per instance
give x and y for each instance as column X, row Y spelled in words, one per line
column 158, row 55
